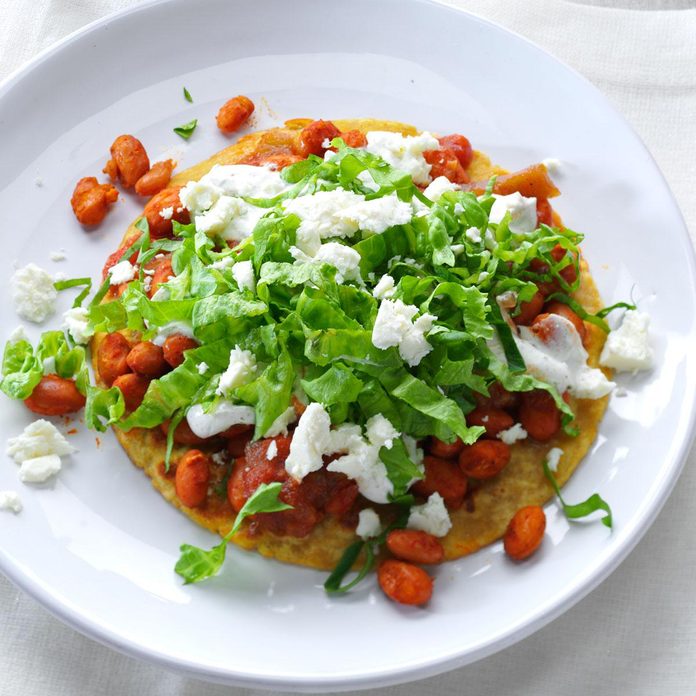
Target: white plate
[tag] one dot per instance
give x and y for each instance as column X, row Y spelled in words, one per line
column 97, row 547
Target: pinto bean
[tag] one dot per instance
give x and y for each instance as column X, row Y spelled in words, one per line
column 494, row 420
column 501, row 397
column 446, row 163
column 525, row 532
column 175, row 346
column 55, row 396
column 235, row 485
column 539, row 415
column 445, row 450
column 155, row 179
column 313, row 136
column 529, row 310
column 133, row 388
column 192, row 478
column 484, row 459
column 166, row 198
column 564, row 311
column 415, row 546
column 183, row 435
column 147, row 359
column 91, row 200
column 163, row 272
column 354, row 138
column 404, row 583
column 460, row 146
column 233, row 113
column 129, row 161
column 112, row 356
column 442, row 477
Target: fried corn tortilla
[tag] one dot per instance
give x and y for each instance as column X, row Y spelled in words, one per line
column 488, row 507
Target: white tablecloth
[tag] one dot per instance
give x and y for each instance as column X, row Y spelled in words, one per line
column 635, row 634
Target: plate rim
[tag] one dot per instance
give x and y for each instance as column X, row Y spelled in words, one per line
column 543, row 615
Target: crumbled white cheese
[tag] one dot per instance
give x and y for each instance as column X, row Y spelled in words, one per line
column 438, row 187
column 241, row 370
column 121, row 272
column 361, row 461
column 404, row 152
column 173, row 328
column 216, row 204
column 38, row 439
column 554, row 167
column 310, row 441
column 33, row 293
column 243, row 273
column 394, row 326
column 340, row 213
column 554, row 457
column 76, row 321
column 473, row 234
column 39, row 469
column 202, row 368
column 431, row 517
column 367, row 180
column 385, row 289
column 9, row 500
column 272, row 451
column 219, row 418
column 561, row 359
column 523, row 214
column 512, row 434
column 627, row 348
column 57, row 255
column 166, row 213
column 343, row 258
column 369, row 525
column 280, row 425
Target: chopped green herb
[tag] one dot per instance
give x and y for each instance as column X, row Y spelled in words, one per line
column 187, row 95
column 196, row 564
column 186, row 131
column 74, row 283
column 587, row 507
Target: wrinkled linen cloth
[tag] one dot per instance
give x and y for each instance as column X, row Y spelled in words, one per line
column 636, row 633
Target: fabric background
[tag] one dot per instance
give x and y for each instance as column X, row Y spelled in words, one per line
column 635, row 634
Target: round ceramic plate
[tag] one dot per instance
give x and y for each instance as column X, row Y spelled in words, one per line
column 98, row 545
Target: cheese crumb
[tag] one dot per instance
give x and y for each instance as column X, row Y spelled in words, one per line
column 404, row 152
column 9, row 500
column 272, row 451
column 385, row 289
column 310, row 441
column 122, row 272
column 57, row 255
column 224, row 415
column 438, row 187
column 431, row 517
column 33, row 293
column 241, row 369
column 512, row 434
column 627, row 348
column 76, row 321
column 38, row 439
column 553, row 457
column 394, row 326
column 39, row 469
column 523, row 214
column 369, row 525
column 243, row 273
column 202, row 368
column 166, row 213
